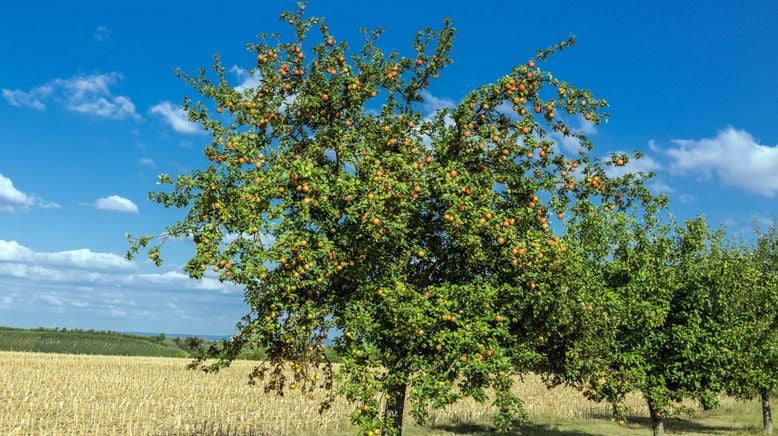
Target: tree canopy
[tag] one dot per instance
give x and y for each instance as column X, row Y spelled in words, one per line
column 425, row 245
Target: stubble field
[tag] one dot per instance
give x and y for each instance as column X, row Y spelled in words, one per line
column 79, row 394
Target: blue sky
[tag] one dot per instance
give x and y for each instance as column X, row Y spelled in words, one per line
column 88, row 115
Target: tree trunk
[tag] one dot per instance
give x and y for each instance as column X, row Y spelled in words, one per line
column 395, row 407
column 767, row 416
column 656, row 420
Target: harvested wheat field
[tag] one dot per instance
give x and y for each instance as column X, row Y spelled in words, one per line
column 79, row 394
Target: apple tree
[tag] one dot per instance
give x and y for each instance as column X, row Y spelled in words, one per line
column 422, row 244
column 755, row 352
column 673, row 314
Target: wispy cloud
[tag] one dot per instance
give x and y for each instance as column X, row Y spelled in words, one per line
column 657, row 186
column 733, row 157
column 146, row 162
column 101, row 34
column 85, row 94
column 645, row 164
column 577, row 124
column 687, row 198
column 175, row 117
column 12, row 199
column 247, row 79
column 34, row 98
column 116, row 203
column 743, row 224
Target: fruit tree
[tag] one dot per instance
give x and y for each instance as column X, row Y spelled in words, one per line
column 756, row 351
column 676, row 313
column 415, row 241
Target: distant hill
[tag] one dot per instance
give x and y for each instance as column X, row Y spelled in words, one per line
column 110, row 343
column 85, row 342
column 181, row 335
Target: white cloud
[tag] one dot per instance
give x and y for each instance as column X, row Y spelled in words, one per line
column 176, row 279
column 118, row 108
column 251, row 80
column 659, row 187
column 86, row 289
column 12, row 251
column 742, row 225
column 10, row 196
column 687, row 198
column 584, row 126
column 576, row 124
column 34, row 98
column 85, row 94
column 645, row 164
column 44, row 204
column 247, row 79
column 762, row 220
column 568, row 144
column 176, row 117
column 146, row 162
column 88, row 269
column 733, row 156
column 433, row 104
column 172, row 281
column 116, row 203
column 12, row 199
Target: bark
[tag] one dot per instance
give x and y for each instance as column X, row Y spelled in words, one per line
column 395, row 408
column 767, row 415
column 657, row 425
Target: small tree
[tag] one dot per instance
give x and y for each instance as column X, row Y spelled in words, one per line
column 420, row 240
column 194, row 344
column 755, row 353
column 672, row 317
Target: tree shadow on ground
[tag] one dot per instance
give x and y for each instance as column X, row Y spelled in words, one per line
column 518, row 429
column 686, row 425
column 677, row 425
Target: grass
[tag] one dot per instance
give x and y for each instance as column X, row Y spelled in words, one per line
column 80, row 342
column 81, row 394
